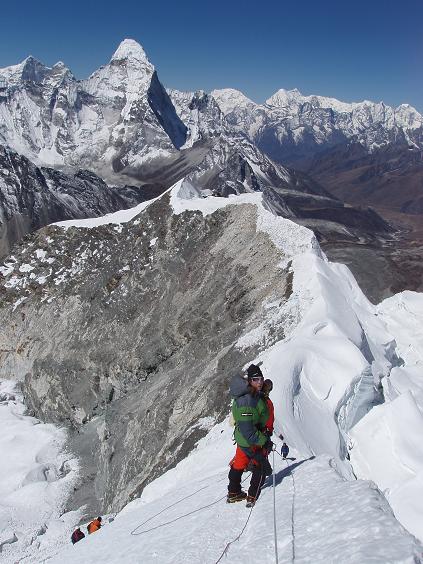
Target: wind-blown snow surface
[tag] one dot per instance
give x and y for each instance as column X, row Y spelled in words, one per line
column 36, row 476
column 388, row 442
column 182, row 517
column 331, row 373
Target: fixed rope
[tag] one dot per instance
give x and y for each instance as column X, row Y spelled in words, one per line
column 274, row 509
column 134, row 533
column 178, row 518
column 292, row 509
column 225, row 550
column 292, row 514
column 224, row 553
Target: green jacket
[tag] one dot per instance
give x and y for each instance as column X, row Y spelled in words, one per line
column 250, row 414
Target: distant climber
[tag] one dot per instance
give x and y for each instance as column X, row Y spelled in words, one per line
column 77, row 535
column 250, row 414
column 284, row 450
column 94, row 525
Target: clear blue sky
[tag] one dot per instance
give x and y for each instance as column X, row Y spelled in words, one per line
column 350, row 50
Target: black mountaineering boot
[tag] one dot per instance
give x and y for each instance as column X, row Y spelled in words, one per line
column 234, row 497
column 250, row 501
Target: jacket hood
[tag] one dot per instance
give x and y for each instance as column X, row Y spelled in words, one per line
column 238, row 387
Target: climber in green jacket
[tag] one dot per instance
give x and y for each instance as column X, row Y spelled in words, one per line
column 250, row 413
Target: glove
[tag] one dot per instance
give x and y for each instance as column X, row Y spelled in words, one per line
column 268, row 445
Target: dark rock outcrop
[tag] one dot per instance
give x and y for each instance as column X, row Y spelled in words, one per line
column 31, row 197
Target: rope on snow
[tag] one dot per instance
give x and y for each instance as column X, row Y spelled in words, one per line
column 180, row 516
column 224, row 553
column 274, row 508
column 292, row 509
column 225, row 550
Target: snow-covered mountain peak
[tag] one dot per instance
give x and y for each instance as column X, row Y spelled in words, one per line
column 403, row 116
column 128, row 74
column 409, row 116
column 130, row 50
column 229, row 99
column 31, row 60
column 32, row 70
column 29, row 69
column 283, row 98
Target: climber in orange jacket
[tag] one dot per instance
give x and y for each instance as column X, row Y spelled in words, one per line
column 94, row 525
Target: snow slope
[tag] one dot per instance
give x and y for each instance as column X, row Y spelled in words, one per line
column 331, row 373
column 121, row 216
column 183, row 518
column 36, row 476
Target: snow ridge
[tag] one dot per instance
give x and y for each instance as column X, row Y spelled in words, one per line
column 337, row 352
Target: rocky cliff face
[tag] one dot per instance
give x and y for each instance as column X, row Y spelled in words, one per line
column 31, row 197
column 127, row 334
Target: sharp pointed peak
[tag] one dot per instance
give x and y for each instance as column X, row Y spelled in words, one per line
column 129, row 49
column 31, row 61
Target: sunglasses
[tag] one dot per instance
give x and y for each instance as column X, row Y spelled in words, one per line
column 257, row 378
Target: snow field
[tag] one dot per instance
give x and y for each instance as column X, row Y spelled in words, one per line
column 181, row 519
column 121, row 216
column 36, row 476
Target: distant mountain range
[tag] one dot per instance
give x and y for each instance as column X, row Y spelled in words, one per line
column 125, row 331
column 126, row 129
column 346, row 146
column 122, row 122
column 290, row 126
